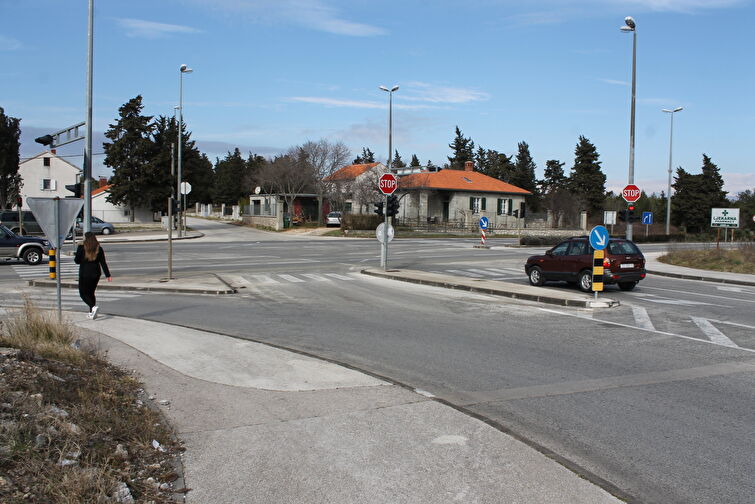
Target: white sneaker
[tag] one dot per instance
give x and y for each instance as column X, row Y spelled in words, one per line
column 89, row 315
column 94, row 311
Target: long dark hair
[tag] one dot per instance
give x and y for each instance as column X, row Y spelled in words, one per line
column 91, row 246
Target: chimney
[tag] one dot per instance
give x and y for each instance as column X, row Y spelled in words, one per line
column 103, row 182
column 53, row 151
column 468, row 166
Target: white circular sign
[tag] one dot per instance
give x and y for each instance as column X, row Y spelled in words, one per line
column 257, row 190
column 185, row 188
column 379, row 232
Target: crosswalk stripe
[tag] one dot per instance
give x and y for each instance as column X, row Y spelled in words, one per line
column 265, row 280
column 465, row 273
column 338, row 277
column 712, row 333
column 642, row 318
column 318, row 278
column 480, row 271
column 291, row 278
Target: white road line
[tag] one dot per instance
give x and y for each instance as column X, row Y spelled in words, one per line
column 291, row 278
column 506, row 271
column 712, row 333
column 642, row 319
column 681, row 336
column 337, row 276
column 699, row 294
column 264, row 279
column 732, row 323
column 484, row 272
column 315, row 277
column 465, row 273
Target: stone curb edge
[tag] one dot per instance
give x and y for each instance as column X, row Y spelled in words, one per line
column 105, row 286
column 485, row 290
column 701, row 278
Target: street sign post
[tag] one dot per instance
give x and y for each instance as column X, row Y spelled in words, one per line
column 599, row 237
column 56, row 217
column 484, row 222
column 724, row 217
column 380, row 231
column 387, row 183
column 598, row 241
column 647, row 219
column 631, row 193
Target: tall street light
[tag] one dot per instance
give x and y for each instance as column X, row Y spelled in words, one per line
column 670, row 147
column 87, row 165
column 630, row 26
column 184, row 69
column 384, row 249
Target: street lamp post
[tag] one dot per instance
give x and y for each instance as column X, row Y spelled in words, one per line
column 87, row 164
column 630, row 26
column 670, row 151
column 183, row 69
column 384, row 249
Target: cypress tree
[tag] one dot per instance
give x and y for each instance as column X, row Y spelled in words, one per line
column 587, row 182
column 524, row 175
column 463, row 150
column 10, row 180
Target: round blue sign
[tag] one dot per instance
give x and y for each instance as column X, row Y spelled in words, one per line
column 599, row 238
column 483, row 223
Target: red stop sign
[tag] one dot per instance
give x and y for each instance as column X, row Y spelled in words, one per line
column 387, row 183
column 631, row 193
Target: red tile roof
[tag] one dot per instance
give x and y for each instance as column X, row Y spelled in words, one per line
column 350, row 172
column 101, row 189
column 458, row 180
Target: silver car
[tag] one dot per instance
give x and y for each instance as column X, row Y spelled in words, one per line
column 99, row 226
column 333, row 219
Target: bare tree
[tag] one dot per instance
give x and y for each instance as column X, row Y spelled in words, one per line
column 288, row 175
column 325, row 158
column 365, row 191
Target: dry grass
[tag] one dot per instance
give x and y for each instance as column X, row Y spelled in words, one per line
column 740, row 259
column 63, row 413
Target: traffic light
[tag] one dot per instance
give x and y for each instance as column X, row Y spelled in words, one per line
column 521, row 209
column 393, row 205
column 623, row 215
column 631, row 217
column 45, row 140
column 173, row 206
column 19, row 201
column 379, row 208
column 75, row 189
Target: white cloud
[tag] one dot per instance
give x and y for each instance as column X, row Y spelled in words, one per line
column 338, row 102
column 614, row 81
column 683, row 5
column 422, row 91
column 9, row 44
column 312, row 14
column 140, row 28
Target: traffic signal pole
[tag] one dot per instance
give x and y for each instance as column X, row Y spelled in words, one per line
column 384, row 255
column 87, row 165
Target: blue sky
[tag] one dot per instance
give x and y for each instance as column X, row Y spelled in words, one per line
column 269, row 74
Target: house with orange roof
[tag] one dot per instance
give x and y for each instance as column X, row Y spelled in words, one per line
column 461, row 196
column 354, row 187
column 109, row 212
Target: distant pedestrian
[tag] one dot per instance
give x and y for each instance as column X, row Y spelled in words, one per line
column 91, row 260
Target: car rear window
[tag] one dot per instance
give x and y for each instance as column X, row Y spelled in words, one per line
column 622, row 247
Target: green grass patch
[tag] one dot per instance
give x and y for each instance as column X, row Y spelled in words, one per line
column 737, row 260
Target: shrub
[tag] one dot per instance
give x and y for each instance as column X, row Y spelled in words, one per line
column 360, row 221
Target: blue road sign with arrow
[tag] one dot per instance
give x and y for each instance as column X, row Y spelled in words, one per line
column 599, row 238
column 483, row 223
column 647, row 217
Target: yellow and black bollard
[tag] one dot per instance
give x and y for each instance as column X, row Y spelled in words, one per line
column 53, row 268
column 598, row 270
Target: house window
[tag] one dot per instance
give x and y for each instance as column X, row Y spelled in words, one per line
column 476, row 204
column 347, row 207
column 503, row 206
column 46, row 161
column 48, row 185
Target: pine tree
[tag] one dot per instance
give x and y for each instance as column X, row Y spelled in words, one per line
column 415, row 161
column 229, row 172
column 714, row 183
column 10, row 180
column 746, row 203
column 553, row 177
column 688, row 205
column 367, row 156
column 587, row 182
column 397, row 162
column 524, row 175
column 129, row 154
column 463, row 150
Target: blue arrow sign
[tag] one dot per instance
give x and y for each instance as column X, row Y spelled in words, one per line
column 647, row 217
column 483, row 223
column 599, row 238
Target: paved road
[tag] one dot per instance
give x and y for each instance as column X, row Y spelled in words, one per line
column 655, row 397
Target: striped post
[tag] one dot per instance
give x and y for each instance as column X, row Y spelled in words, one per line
column 482, row 237
column 51, row 254
column 597, row 270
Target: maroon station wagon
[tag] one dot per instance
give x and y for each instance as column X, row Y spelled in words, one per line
column 572, row 260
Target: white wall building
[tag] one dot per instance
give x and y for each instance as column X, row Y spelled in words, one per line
column 116, row 213
column 46, row 176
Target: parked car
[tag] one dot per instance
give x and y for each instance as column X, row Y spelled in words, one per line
column 99, row 226
column 572, row 261
column 9, row 219
column 29, row 248
column 333, row 219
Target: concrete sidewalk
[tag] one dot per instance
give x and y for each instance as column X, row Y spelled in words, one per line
column 655, row 267
column 263, row 425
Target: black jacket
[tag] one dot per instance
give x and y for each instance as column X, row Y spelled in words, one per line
column 91, row 269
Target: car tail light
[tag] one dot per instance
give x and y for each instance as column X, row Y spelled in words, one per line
column 606, row 263
column 615, row 277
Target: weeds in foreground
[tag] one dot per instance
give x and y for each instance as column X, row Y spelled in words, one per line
column 72, row 427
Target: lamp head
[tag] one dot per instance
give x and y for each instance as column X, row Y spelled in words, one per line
column 185, row 69
column 677, row 109
column 394, row 88
column 383, row 88
column 629, row 21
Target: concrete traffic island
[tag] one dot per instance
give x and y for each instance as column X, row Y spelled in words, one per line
column 202, row 283
column 496, row 288
column 262, row 424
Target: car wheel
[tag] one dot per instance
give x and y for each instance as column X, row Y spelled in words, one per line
column 585, row 281
column 627, row 286
column 32, row 256
column 536, row 276
column 106, row 231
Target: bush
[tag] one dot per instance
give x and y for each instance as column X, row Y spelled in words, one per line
column 359, row 221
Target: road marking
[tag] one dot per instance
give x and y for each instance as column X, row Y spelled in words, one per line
column 317, row 278
column 732, row 323
column 642, row 318
column 712, row 333
column 291, row 278
column 703, row 295
column 690, row 338
column 338, row 277
column 264, row 279
column 465, row 273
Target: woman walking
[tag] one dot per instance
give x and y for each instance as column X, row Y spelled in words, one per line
column 91, row 260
